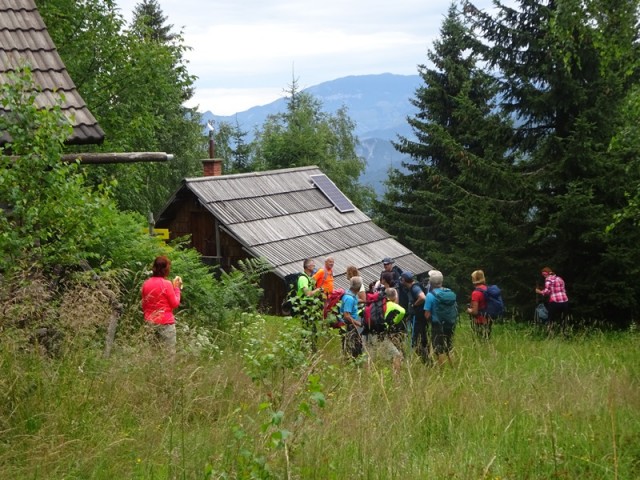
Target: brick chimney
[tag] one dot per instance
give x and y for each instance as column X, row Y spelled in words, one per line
column 212, row 167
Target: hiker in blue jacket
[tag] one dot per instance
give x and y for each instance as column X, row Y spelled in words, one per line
column 352, row 333
column 441, row 311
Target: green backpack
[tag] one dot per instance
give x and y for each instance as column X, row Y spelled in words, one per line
column 446, row 307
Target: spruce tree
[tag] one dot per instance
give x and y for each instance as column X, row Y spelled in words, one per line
column 566, row 68
column 454, row 202
column 150, row 22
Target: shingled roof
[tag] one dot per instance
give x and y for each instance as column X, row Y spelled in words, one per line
column 24, row 40
column 282, row 216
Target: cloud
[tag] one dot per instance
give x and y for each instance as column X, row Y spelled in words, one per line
column 240, row 46
column 227, row 101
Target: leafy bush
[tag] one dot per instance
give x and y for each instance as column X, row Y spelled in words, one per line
column 65, row 247
column 47, row 212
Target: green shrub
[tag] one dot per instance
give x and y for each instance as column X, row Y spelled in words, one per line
column 65, row 245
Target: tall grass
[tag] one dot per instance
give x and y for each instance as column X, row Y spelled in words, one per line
column 521, row 406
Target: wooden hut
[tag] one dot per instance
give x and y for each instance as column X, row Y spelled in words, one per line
column 283, row 216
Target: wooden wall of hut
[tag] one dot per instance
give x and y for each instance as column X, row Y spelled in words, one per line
column 192, row 218
column 274, row 293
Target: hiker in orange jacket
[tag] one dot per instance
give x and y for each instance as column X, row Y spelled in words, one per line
column 324, row 276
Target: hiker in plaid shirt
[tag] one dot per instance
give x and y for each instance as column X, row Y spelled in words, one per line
column 558, row 304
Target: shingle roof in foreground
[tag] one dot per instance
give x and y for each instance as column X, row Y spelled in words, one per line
column 282, row 216
column 24, row 40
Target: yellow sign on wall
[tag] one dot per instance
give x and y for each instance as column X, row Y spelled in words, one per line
column 161, row 233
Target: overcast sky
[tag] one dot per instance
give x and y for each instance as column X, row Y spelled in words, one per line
column 246, row 52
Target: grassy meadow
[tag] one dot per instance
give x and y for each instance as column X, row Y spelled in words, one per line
column 251, row 403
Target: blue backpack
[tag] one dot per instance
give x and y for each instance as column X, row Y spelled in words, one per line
column 493, row 299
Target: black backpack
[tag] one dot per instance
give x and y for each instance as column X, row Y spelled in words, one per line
column 374, row 311
column 291, row 291
column 398, row 273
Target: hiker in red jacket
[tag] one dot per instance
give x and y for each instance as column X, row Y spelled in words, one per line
column 478, row 306
column 159, row 298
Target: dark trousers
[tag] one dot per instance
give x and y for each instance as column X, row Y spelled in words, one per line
column 420, row 337
column 442, row 338
column 557, row 313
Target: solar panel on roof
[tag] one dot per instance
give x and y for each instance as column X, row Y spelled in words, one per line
column 339, row 200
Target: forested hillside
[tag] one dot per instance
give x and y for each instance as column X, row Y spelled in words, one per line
column 522, row 150
column 525, row 149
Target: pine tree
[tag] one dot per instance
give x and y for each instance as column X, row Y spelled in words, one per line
column 306, row 135
column 242, row 151
column 232, row 147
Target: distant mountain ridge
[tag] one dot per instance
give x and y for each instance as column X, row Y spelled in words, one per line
column 378, row 104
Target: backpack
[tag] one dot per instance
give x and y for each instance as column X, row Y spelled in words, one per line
column 398, row 272
column 374, row 311
column 542, row 314
column 291, row 291
column 446, row 307
column 493, row 299
column 331, row 303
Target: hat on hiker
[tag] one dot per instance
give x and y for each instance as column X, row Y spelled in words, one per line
column 407, row 276
column 387, row 260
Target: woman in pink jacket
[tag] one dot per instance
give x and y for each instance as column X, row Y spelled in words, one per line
column 558, row 304
column 159, row 298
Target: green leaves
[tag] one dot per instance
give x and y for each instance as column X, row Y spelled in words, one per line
column 135, row 81
column 49, row 210
column 455, row 195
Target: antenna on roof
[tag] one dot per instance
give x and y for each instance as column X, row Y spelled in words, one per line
column 212, row 139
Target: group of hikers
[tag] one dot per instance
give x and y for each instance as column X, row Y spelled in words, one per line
column 376, row 319
column 394, row 310
column 397, row 310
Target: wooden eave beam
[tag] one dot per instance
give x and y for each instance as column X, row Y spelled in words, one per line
column 124, row 157
column 104, row 158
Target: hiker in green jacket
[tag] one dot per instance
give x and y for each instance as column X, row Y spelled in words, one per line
column 309, row 306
